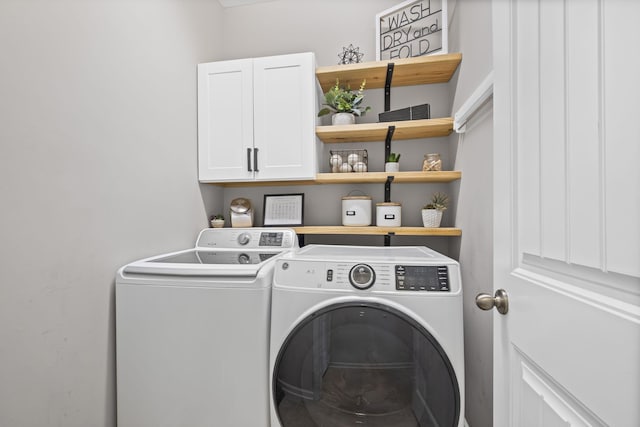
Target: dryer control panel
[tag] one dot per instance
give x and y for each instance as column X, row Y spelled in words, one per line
column 430, row 278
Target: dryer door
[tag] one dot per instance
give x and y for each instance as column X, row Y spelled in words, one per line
column 361, row 363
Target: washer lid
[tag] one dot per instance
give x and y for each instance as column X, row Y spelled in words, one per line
column 202, row 262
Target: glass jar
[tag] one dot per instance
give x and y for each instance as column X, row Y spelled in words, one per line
column 432, row 162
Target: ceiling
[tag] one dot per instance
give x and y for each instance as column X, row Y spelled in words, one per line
column 234, row 3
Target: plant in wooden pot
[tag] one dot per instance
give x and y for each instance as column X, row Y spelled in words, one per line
column 432, row 211
column 344, row 103
column 217, row 221
column 392, row 164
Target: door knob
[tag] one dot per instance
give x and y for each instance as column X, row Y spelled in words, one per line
column 500, row 301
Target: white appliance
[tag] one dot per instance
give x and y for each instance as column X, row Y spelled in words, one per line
column 192, row 331
column 366, row 335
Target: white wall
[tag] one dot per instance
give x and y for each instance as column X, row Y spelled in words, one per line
column 97, row 168
column 288, row 26
column 471, row 34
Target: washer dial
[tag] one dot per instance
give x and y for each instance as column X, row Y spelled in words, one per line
column 362, row 276
column 244, row 238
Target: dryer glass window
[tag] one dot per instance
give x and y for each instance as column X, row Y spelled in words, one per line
column 369, row 364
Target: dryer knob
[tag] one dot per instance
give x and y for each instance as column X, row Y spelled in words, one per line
column 362, row 276
column 244, row 238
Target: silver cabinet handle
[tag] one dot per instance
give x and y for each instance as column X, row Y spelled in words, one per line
column 500, row 301
column 249, row 159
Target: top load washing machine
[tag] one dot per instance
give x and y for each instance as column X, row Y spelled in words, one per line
column 366, row 336
column 192, row 331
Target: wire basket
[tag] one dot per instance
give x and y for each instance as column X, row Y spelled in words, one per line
column 346, row 161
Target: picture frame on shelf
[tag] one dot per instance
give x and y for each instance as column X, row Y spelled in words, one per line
column 283, row 210
column 412, row 28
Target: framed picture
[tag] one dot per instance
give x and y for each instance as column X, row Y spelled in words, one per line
column 412, row 28
column 283, row 210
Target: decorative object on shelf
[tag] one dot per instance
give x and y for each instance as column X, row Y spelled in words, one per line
column 432, row 211
column 217, row 221
column 340, row 99
column 412, row 28
column 350, row 55
column 416, row 112
column 343, row 119
column 431, row 162
column 392, row 164
column 283, row 210
column 344, row 161
column 241, row 212
column 356, row 210
column 388, row 214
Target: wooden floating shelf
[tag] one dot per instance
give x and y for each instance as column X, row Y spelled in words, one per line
column 366, row 132
column 359, row 178
column 379, row 231
column 406, row 72
column 381, row 177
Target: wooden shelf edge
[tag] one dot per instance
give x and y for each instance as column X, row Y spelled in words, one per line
column 378, row 231
column 381, row 177
column 407, row 71
column 356, row 178
column 368, row 132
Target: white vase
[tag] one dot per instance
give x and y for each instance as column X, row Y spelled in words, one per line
column 343, row 119
column 431, row 218
column 217, row 223
column 392, row 167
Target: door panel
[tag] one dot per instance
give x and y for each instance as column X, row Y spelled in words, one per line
column 285, row 124
column 567, row 203
column 543, row 402
column 225, row 120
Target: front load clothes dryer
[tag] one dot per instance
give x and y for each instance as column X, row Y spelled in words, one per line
column 192, row 332
column 366, row 336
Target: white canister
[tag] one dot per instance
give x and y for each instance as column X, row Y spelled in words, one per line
column 356, row 211
column 388, row 214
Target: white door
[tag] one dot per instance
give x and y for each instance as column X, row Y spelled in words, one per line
column 567, row 212
column 284, row 117
column 225, row 121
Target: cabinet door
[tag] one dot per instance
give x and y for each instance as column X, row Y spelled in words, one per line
column 225, row 121
column 284, row 117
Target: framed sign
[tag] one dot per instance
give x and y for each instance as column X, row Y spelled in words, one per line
column 412, row 28
column 282, row 210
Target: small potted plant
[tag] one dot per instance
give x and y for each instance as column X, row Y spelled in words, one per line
column 344, row 103
column 217, row 221
column 392, row 164
column 432, row 211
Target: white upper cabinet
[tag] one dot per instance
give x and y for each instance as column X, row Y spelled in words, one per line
column 256, row 119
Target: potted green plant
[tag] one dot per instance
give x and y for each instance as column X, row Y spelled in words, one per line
column 392, row 164
column 344, row 103
column 432, row 211
column 217, row 221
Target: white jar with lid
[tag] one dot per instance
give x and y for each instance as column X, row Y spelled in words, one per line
column 388, row 214
column 356, row 211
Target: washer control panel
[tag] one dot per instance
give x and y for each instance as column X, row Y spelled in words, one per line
column 247, row 238
column 430, row 278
